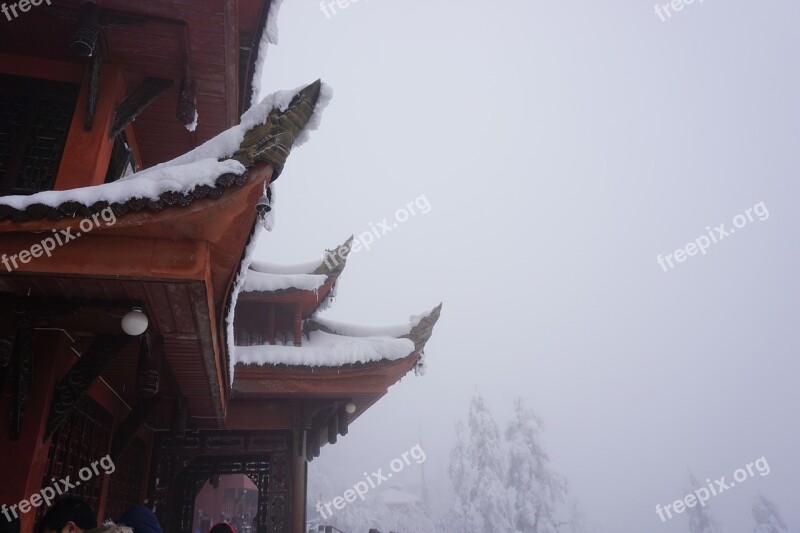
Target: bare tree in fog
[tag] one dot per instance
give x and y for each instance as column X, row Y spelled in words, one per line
column 700, row 520
column 767, row 517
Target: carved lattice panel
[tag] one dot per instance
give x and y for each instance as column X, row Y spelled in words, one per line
column 125, row 485
column 83, row 438
column 35, row 117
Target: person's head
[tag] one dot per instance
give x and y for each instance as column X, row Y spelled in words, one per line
column 141, row 520
column 222, row 527
column 11, row 526
column 70, row 514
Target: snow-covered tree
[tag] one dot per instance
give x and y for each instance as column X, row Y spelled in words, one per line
column 767, row 517
column 462, row 475
column 477, row 471
column 328, row 480
column 539, row 493
column 700, row 520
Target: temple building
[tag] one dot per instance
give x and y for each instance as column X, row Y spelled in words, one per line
column 143, row 351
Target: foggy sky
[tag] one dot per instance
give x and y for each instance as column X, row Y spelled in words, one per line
column 562, row 146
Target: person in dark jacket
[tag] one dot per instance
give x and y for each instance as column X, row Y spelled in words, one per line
column 223, row 527
column 70, row 514
column 141, row 520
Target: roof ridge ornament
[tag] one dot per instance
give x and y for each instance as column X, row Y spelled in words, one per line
column 421, row 333
column 336, row 259
column 272, row 141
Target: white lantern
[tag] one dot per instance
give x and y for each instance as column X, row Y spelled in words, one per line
column 135, row 322
column 350, row 408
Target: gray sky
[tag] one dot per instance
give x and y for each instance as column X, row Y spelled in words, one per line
column 563, row 146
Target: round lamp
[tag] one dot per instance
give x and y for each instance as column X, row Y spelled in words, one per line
column 350, row 408
column 135, row 322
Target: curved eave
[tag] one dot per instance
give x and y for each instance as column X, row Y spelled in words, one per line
column 280, row 381
column 308, row 301
column 223, row 219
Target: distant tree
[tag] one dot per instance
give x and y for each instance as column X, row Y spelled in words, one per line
column 539, row 493
column 477, row 471
column 700, row 520
column 462, row 475
column 486, row 451
column 767, row 517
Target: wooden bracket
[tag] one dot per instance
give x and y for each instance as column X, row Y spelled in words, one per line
column 93, row 95
column 151, row 349
column 72, row 387
column 136, row 102
column 127, row 429
column 84, row 41
column 187, row 95
column 22, row 376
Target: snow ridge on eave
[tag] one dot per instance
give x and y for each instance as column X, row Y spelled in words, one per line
column 265, row 267
column 201, row 166
column 247, row 257
column 228, row 142
column 264, row 282
column 354, row 330
column 149, row 184
column 321, row 349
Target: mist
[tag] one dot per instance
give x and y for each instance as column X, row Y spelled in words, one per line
column 562, row 148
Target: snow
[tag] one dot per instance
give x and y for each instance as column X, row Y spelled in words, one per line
column 200, row 166
column 226, row 143
column 236, row 289
column 269, row 218
column 322, row 349
column 269, row 37
column 193, row 125
column 148, row 184
column 262, row 282
column 370, row 331
column 257, row 115
column 274, row 268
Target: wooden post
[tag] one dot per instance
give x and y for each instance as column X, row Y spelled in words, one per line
column 187, row 95
column 24, row 462
column 93, row 93
column 271, row 324
column 180, row 417
column 298, row 325
column 148, row 373
column 298, row 489
column 87, row 153
column 343, row 422
column 84, row 41
column 333, row 428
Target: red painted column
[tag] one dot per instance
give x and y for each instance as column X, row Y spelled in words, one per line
column 299, row 467
column 24, row 461
column 271, row 324
column 87, row 153
column 298, row 326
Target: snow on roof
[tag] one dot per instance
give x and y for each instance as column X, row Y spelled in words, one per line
column 352, row 330
column 148, row 184
column 258, row 227
column 264, row 282
column 270, row 36
column 274, row 268
column 199, row 167
column 323, row 349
